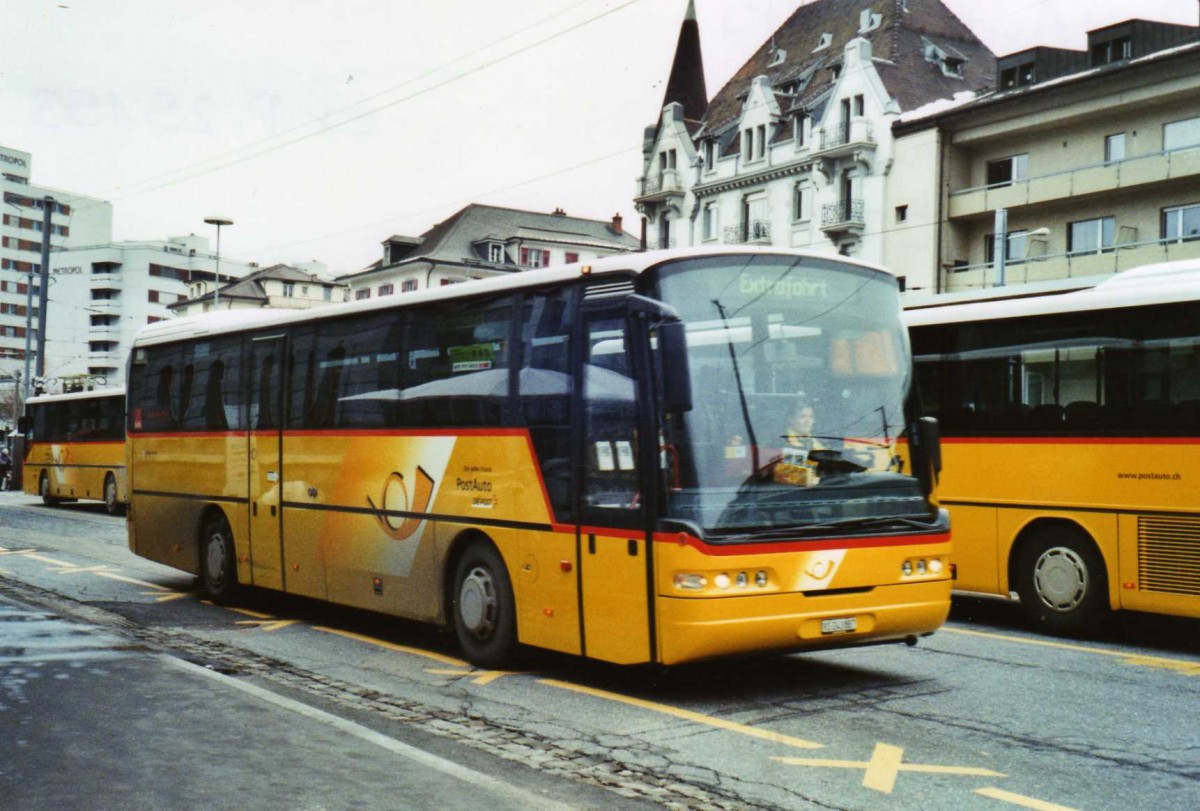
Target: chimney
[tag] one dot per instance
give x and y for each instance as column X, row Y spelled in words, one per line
column 616, row 223
column 558, row 212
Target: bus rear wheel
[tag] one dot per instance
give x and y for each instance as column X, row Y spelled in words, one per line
column 1062, row 583
column 44, row 490
column 483, row 607
column 218, row 565
column 111, row 505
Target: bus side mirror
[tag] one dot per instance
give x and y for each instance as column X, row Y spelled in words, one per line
column 931, row 441
column 673, row 358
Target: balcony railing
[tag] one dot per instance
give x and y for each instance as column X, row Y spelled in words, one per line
column 851, row 132
column 1077, row 181
column 1065, row 266
column 749, row 231
column 666, row 182
column 843, row 212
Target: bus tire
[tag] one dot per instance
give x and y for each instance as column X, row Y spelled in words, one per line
column 218, row 562
column 44, row 490
column 1062, row 582
column 483, row 607
column 111, row 505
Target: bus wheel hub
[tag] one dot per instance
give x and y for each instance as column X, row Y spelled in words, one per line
column 477, row 602
column 1061, row 579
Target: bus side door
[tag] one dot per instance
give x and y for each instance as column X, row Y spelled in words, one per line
column 265, row 474
column 614, row 572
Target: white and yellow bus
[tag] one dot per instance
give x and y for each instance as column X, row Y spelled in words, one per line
column 586, row 459
column 75, row 448
column 1071, row 431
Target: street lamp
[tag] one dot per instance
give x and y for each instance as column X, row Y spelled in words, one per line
column 218, row 221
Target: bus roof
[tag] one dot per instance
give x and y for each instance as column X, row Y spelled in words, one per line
column 226, row 321
column 1162, row 283
column 115, row 391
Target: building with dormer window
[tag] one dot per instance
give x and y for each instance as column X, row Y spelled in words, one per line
column 481, row 241
column 1085, row 162
column 796, row 149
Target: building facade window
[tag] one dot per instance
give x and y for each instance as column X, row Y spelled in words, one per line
column 496, row 253
column 1181, row 223
column 387, row 289
column 359, row 295
column 801, row 203
column 571, row 257
column 710, row 155
column 1006, row 171
column 1181, row 134
column 534, row 257
column 408, row 286
column 1114, row 147
column 289, row 289
column 711, row 221
column 1114, row 50
column 1016, row 247
column 1091, row 236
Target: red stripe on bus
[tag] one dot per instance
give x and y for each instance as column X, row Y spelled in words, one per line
column 1071, row 440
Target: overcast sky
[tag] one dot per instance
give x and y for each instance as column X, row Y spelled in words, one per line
column 321, row 127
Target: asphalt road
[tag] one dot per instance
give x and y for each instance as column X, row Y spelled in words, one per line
column 280, row 702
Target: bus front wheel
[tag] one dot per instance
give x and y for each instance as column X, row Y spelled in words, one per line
column 44, row 490
column 483, row 607
column 218, row 565
column 1062, row 582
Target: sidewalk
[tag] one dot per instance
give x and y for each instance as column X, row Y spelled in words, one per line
column 90, row 723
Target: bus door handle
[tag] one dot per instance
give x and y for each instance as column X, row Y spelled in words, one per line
column 254, row 509
column 272, row 510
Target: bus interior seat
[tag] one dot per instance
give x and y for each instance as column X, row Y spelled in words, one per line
column 1047, row 416
column 1082, row 416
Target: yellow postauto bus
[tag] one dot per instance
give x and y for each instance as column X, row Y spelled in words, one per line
column 75, row 448
column 1071, row 426
column 586, row 459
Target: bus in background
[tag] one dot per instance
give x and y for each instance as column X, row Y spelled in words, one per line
column 1071, row 426
column 75, row 448
column 587, row 459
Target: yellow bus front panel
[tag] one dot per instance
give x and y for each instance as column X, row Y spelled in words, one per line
column 792, row 597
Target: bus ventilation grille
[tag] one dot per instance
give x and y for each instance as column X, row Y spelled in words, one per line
column 609, row 290
column 1169, row 554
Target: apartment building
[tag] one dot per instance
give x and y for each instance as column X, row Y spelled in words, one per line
column 281, row 287
column 75, row 220
column 796, row 149
column 101, row 295
column 1086, row 163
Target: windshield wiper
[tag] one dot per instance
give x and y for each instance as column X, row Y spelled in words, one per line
column 848, row 523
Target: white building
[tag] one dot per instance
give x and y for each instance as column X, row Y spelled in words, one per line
column 75, row 220
column 101, row 295
column 283, row 287
column 796, row 149
column 481, row 241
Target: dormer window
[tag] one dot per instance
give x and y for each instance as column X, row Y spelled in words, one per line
column 710, row 155
column 953, row 67
column 1021, row 75
column 868, row 20
column 1114, row 50
column 823, row 43
column 778, row 55
column 496, row 253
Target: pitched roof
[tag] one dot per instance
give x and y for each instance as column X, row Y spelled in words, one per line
column 905, row 29
column 456, row 239
column 250, row 288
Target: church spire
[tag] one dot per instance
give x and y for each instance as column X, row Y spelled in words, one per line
column 686, row 85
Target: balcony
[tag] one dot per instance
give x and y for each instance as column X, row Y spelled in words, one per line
column 104, row 332
column 844, row 139
column 110, row 358
column 661, row 186
column 1077, row 182
column 105, row 281
column 749, row 232
column 1067, row 266
column 104, row 306
column 845, row 218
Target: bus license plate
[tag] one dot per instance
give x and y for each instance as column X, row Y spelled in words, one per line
column 839, row 625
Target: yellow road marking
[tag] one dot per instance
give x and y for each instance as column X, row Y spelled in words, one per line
column 481, row 676
column 45, row 559
column 688, row 715
column 267, row 625
column 74, row 569
column 437, row 657
column 247, row 612
column 881, row 772
column 1017, row 799
column 886, row 763
column 1184, row 666
column 136, row 582
column 15, row 551
column 160, row 597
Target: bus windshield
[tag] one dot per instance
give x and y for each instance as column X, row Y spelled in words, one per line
column 800, row 372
